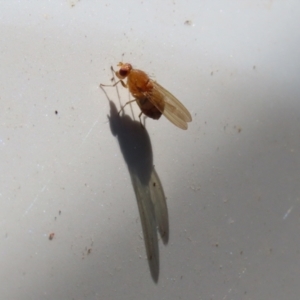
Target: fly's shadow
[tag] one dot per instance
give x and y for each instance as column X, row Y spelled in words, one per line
column 136, row 148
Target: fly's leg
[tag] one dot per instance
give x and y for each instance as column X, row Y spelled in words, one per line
column 122, row 108
column 143, row 125
column 113, row 79
column 112, row 85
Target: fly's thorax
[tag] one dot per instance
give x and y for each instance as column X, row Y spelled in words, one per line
column 138, row 83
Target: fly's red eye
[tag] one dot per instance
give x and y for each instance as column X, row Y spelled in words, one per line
column 123, row 72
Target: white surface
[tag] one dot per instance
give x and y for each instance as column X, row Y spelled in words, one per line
column 231, row 180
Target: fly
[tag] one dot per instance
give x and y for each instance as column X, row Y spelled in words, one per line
column 151, row 97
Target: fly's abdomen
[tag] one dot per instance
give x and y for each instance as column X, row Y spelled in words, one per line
column 148, row 108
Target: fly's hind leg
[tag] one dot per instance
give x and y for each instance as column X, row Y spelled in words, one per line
column 143, row 125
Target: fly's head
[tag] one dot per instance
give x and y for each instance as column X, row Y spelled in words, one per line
column 124, row 70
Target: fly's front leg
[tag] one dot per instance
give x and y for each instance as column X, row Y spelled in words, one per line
column 113, row 79
column 112, row 85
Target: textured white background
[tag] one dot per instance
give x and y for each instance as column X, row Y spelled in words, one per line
column 231, row 179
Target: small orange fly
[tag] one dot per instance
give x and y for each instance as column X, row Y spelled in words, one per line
column 151, row 97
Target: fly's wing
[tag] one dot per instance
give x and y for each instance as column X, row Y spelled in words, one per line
column 173, row 110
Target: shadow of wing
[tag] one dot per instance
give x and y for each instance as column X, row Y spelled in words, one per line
column 147, row 215
column 160, row 205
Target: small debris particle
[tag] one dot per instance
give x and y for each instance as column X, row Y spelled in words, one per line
column 51, row 236
column 238, row 128
column 56, row 112
column 189, row 23
column 287, row 213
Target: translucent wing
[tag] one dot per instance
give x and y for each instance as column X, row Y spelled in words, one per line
column 173, row 110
